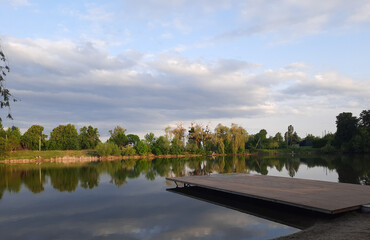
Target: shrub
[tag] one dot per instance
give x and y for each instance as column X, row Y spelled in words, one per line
column 107, row 149
column 128, row 151
column 328, row 148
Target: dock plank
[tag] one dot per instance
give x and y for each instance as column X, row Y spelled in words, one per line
column 326, row 197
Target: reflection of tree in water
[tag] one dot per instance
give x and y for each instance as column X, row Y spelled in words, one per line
column 219, row 164
column 258, row 164
column 9, row 180
column 119, row 177
column 346, row 174
column 292, row 165
column 89, row 177
column 161, row 166
column 178, row 168
column 119, row 171
column 66, row 178
column 141, row 166
column 34, row 180
column 279, row 164
column 352, row 169
column 199, row 167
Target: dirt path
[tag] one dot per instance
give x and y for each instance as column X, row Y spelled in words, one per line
column 354, row 226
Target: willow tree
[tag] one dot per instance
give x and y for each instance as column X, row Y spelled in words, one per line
column 230, row 140
column 222, row 138
column 239, row 137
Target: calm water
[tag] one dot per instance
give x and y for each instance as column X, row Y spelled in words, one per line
column 128, row 199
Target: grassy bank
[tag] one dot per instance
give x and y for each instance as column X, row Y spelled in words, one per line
column 71, row 154
column 47, row 154
column 289, row 150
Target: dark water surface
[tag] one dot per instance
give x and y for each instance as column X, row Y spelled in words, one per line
column 128, row 199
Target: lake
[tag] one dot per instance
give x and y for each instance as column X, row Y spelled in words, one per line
column 129, row 199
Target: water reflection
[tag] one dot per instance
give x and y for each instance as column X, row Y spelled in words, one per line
column 284, row 214
column 127, row 199
column 350, row 169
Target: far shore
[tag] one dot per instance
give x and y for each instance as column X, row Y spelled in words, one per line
column 76, row 159
column 70, row 156
column 71, row 159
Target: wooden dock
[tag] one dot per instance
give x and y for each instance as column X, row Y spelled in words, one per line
column 325, row 197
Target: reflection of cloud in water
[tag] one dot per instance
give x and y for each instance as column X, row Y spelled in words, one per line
column 305, row 172
column 214, row 223
column 110, row 212
column 141, row 208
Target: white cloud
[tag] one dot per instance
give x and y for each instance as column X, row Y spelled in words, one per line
column 287, row 19
column 63, row 81
column 360, row 15
column 91, row 12
column 19, row 3
column 298, row 65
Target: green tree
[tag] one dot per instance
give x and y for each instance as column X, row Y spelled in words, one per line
column 289, row 135
column 280, row 140
column 133, row 139
column 150, row 139
column 278, row 137
column 179, row 133
column 261, row 139
column 364, row 120
column 142, row 148
column 118, row 136
column 308, row 140
column 64, row 137
column 4, row 145
column 364, row 129
column 13, row 135
column 88, row 137
column 239, row 137
column 318, row 142
column 222, row 138
column 271, row 143
column 31, row 138
column 346, row 128
column 295, row 138
column 176, row 146
column 199, row 137
column 162, row 146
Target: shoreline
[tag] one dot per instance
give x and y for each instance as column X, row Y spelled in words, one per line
column 89, row 158
column 72, row 159
column 69, row 159
column 353, row 225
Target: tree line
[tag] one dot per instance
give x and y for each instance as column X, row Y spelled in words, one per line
column 352, row 135
column 63, row 137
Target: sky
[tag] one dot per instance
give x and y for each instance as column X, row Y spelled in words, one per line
column 148, row 64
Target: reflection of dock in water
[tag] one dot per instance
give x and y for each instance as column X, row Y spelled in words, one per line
column 290, row 216
column 319, row 196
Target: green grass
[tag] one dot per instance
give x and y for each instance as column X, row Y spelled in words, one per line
column 29, row 154
column 290, row 150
